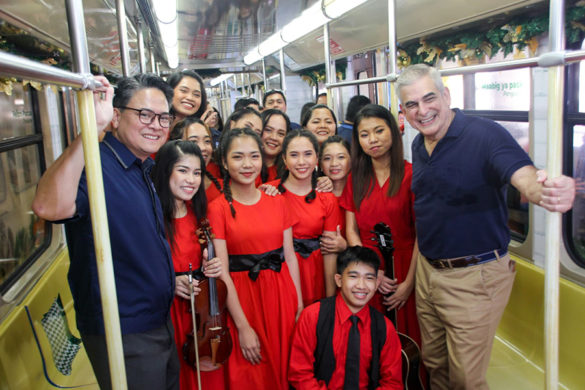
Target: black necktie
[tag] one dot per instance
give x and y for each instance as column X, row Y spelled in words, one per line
column 352, row 360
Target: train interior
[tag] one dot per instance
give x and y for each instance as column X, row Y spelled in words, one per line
column 221, row 39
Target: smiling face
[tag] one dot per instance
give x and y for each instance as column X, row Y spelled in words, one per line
column 141, row 139
column 251, row 121
column 275, row 100
column 273, row 135
column 375, row 137
column 335, row 161
column 198, row 133
column 322, row 124
column 187, row 96
column 243, row 160
column 426, row 108
column 185, row 178
column 357, row 285
column 300, row 158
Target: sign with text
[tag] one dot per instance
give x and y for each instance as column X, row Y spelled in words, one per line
column 505, row 90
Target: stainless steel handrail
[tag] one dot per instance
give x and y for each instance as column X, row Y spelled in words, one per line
column 542, row 61
column 15, row 66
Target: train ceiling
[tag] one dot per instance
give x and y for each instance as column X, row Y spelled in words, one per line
column 215, row 35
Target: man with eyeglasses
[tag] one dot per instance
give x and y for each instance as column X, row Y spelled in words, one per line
column 139, row 120
column 275, row 99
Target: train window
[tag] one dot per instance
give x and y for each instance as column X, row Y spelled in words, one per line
column 574, row 228
column 455, row 85
column 22, row 234
column 577, row 227
column 16, row 111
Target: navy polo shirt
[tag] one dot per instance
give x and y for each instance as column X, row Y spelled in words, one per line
column 460, row 190
column 143, row 266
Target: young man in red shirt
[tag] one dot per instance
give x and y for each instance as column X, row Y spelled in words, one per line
column 342, row 343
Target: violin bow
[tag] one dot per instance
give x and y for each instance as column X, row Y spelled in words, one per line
column 194, row 325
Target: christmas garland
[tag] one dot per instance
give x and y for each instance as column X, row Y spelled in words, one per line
column 316, row 74
column 507, row 37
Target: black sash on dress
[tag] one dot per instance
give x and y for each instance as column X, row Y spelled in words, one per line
column 255, row 263
column 306, row 246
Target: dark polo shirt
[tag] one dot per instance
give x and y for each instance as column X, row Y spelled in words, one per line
column 143, row 266
column 460, row 190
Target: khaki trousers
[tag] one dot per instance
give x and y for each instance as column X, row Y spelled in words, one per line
column 459, row 310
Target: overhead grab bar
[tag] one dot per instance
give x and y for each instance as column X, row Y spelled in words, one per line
column 541, row 61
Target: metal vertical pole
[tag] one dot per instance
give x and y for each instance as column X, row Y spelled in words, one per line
column 329, row 70
column 123, row 37
column 152, row 61
column 141, row 57
column 243, row 84
column 556, row 85
column 97, row 200
column 250, row 90
column 282, row 76
column 264, row 75
column 392, row 55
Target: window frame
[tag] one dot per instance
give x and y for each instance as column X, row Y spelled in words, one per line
column 35, row 139
column 571, row 117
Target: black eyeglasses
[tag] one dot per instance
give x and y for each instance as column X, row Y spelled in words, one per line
column 147, row 116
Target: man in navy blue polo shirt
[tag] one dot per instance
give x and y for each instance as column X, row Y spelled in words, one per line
column 461, row 168
column 143, row 269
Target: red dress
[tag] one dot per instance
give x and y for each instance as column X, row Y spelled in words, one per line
column 312, row 219
column 213, row 168
column 270, row 302
column 185, row 250
column 397, row 212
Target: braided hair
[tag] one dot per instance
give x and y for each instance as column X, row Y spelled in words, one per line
column 224, row 148
column 178, row 132
column 287, row 140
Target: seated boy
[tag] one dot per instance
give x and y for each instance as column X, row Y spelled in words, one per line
column 327, row 351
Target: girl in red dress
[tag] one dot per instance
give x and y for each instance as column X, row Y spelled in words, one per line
column 379, row 190
column 253, row 238
column 195, row 130
column 275, row 126
column 317, row 215
column 320, row 120
column 177, row 179
column 335, row 163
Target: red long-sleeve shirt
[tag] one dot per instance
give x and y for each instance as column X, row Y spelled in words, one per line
column 301, row 373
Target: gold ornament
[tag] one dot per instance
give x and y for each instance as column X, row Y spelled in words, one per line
column 6, row 85
column 432, row 52
column 513, row 33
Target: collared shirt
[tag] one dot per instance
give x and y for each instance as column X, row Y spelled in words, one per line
column 345, row 130
column 301, row 373
column 460, row 190
column 143, row 267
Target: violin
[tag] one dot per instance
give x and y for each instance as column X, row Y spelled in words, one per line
column 209, row 347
